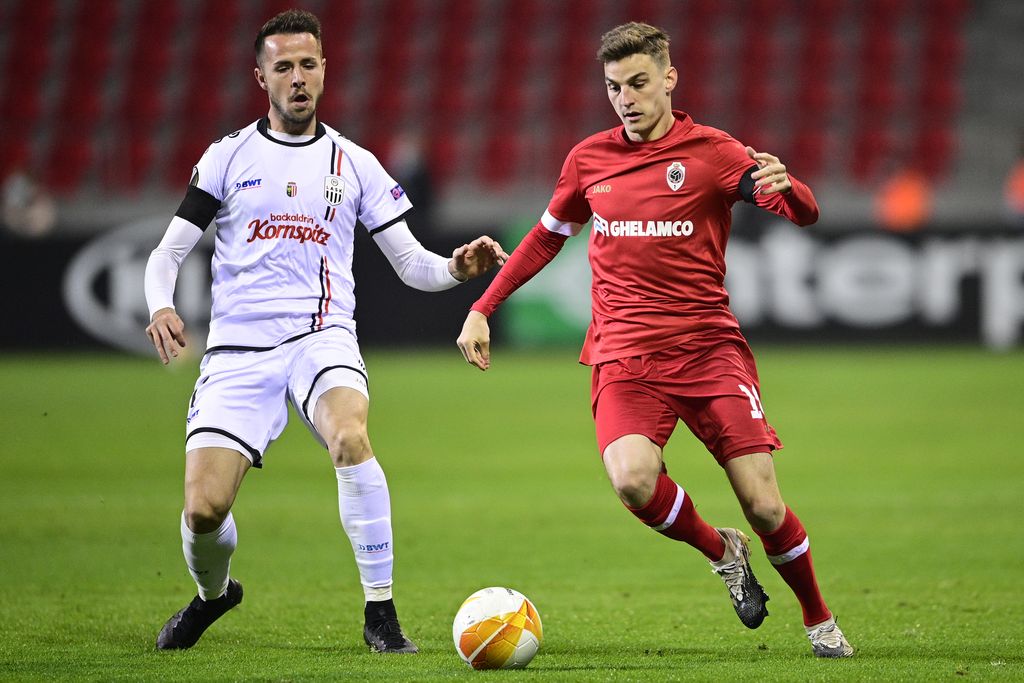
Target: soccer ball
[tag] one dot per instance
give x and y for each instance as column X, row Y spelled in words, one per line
column 497, row 628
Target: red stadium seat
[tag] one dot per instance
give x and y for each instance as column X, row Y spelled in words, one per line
column 934, row 148
column 14, row 155
column 808, row 153
column 70, row 159
column 502, row 156
column 442, row 157
column 873, row 146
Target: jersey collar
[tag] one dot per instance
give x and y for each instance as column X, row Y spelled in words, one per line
column 680, row 127
column 263, row 126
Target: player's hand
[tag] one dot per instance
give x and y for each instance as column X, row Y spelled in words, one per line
column 771, row 174
column 475, row 340
column 167, row 332
column 476, row 258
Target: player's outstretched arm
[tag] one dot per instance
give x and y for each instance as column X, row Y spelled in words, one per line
column 475, row 340
column 476, row 258
column 167, row 332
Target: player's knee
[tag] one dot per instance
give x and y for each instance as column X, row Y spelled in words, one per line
column 765, row 512
column 633, row 487
column 349, row 445
column 204, row 515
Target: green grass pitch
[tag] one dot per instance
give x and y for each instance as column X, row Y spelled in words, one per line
column 906, row 466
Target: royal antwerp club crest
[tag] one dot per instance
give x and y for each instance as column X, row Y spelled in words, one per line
column 675, row 175
column 334, row 189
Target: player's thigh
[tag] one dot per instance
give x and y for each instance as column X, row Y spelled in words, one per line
column 624, row 403
column 718, row 397
column 328, row 384
column 239, row 403
column 212, row 479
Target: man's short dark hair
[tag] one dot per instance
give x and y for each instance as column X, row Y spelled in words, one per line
column 288, row 22
column 632, row 39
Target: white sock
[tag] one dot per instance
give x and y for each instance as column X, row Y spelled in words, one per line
column 365, row 506
column 208, row 556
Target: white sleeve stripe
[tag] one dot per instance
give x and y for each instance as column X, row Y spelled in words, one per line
column 790, row 555
column 674, row 512
column 561, row 227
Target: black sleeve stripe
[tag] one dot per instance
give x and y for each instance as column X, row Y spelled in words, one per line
column 387, row 225
column 747, row 185
column 198, row 207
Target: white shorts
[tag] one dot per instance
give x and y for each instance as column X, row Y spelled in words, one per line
column 241, row 397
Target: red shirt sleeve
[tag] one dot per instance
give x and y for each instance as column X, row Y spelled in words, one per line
column 798, row 205
column 568, row 202
column 536, row 250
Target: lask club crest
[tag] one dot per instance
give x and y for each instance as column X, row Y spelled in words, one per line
column 675, row 175
column 334, row 189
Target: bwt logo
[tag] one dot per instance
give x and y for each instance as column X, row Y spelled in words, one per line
column 374, row 547
column 248, row 184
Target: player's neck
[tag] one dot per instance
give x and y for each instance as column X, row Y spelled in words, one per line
column 660, row 130
column 279, row 125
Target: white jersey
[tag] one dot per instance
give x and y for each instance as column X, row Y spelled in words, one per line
column 285, row 219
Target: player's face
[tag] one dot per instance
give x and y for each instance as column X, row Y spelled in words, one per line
column 641, row 93
column 291, row 70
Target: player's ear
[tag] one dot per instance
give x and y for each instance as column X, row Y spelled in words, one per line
column 258, row 72
column 671, row 79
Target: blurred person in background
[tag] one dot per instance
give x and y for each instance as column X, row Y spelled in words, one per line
column 285, row 193
column 1013, row 189
column 904, row 202
column 26, row 209
column 408, row 162
column 663, row 343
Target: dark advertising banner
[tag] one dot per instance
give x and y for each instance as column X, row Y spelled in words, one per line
column 787, row 284
column 87, row 293
column 796, row 284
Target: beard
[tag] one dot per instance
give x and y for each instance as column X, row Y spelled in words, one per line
column 292, row 119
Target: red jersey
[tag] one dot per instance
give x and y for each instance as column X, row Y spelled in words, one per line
column 662, row 212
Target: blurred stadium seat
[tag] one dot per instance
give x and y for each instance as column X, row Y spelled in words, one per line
column 484, row 83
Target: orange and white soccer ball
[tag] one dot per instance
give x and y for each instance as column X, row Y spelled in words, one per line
column 497, row 628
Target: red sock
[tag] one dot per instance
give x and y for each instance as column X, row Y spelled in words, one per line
column 670, row 512
column 789, row 552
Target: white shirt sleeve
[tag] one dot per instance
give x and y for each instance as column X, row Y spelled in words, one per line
column 416, row 266
column 164, row 262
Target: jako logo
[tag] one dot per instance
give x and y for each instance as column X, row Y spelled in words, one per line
column 248, row 184
column 374, row 547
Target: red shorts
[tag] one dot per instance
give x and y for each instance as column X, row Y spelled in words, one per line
column 713, row 389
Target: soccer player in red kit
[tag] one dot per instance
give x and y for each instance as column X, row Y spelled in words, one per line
column 662, row 342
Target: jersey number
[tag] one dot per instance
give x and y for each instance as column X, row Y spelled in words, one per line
column 756, row 409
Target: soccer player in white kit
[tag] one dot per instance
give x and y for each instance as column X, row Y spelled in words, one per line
column 285, row 194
